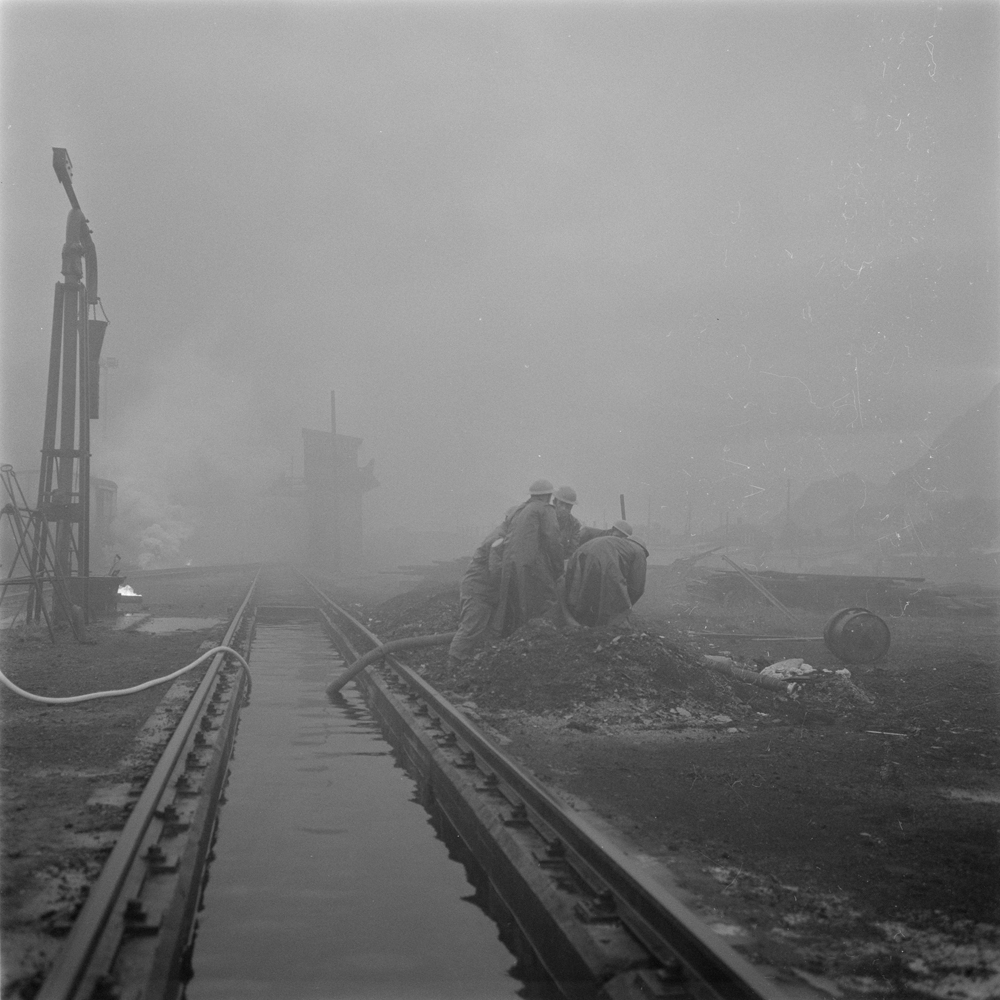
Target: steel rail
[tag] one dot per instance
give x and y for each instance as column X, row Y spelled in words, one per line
column 667, row 928
column 71, row 969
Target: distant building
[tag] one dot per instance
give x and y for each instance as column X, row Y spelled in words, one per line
column 334, row 485
column 939, row 518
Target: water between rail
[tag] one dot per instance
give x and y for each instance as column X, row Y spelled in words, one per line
column 329, row 879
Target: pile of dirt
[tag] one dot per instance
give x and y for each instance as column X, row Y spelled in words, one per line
column 421, row 611
column 601, row 678
column 834, row 693
column 545, row 667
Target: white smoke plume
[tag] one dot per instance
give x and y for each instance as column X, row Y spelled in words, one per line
column 189, row 455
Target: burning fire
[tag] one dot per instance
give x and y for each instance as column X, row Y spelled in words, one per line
column 126, row 591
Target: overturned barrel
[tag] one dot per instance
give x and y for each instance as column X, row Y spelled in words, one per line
column 855, row 635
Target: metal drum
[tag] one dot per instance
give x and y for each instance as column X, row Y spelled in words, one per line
column 855, row 635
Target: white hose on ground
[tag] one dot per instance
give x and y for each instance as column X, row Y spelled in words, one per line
column 724, row 665
column 74, row 699
column 361, row 662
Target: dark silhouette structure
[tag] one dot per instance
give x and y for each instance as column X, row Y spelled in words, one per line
column 334, row 485
column 71, row 403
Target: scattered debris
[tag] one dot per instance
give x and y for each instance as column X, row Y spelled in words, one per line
column 828, row 591
column 796, row 667
column 597, row 678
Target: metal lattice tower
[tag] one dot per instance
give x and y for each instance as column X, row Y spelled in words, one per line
column 71, row 403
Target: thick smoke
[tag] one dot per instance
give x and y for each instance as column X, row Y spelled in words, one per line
column 191, row 462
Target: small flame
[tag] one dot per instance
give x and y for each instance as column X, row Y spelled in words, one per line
column 126, row 591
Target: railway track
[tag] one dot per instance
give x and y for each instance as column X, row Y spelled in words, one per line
column 595, row 921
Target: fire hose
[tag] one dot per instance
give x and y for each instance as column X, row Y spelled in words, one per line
column 724, row 665
column 413, row 642
column 74, row 699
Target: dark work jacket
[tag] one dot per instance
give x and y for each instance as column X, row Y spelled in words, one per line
column 604, row 578
column 573, row 533
column 478, row 581
column 569, row 530
column 532, row 562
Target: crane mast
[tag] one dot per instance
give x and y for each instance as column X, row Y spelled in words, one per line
column 71, row 402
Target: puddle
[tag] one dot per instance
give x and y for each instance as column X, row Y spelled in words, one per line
column 160, row 625
column 70, row 773
column 729, row 931
column 112, row 795
column 972, row 795
column 94, row 841
column 130, row 619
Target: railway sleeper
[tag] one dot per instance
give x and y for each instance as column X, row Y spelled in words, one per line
column 679, row 955
column 134, row 943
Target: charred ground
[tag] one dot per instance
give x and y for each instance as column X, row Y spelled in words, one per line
column 845, row 835
column 843, row 832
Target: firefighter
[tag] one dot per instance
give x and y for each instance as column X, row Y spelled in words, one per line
column 605, row 577
column 569, row 527
column 478, row 598
column 571, row 531
column 532, row 560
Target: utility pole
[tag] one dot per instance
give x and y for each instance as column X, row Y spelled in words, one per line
column 337, row 484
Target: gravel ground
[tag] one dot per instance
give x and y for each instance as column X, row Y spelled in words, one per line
column 70, row 773
column 843, row 835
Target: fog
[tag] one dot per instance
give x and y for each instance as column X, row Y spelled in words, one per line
column 699, row 254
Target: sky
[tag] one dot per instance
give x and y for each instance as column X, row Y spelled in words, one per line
column 688, row 252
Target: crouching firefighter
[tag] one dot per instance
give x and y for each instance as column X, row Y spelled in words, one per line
column 477, row 594
column 605, row 577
